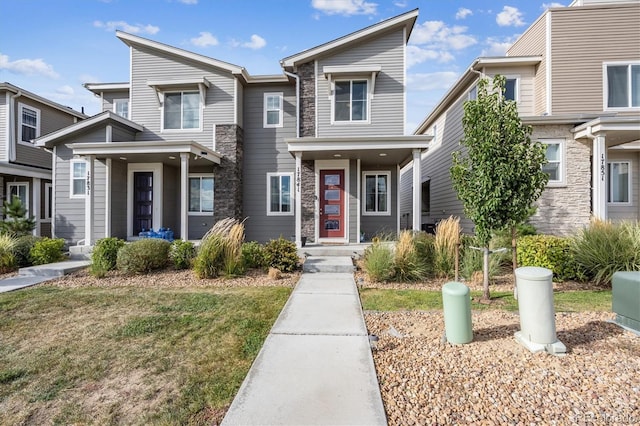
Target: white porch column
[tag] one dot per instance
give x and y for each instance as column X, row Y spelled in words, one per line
column 107, row 199
column 417, row 190
column 298, row 197
column 88, row 202
column 184, row 196
column 36, row 205
column 599, row 177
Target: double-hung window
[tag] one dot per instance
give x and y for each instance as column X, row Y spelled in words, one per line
column 20, row 190
column 181, row 110
column 555, row 161
column 273, row 110
column 29, row 123
column 619, row 182
column 201, row 194
column 377, row 193
column 78, row 178
column 511, row 89
column 121, row 107
column 279, row 195
column 351, row 101
column 622, row 85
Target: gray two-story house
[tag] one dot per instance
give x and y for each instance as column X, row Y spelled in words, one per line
column 313, row 153
column 575, row 75
column 25, row 170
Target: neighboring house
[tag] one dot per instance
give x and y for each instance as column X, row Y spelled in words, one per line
column 313, row 153
column 25, row 170
column 575, row 75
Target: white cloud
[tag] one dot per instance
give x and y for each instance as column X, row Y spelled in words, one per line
column 438, row 34
column 442, row 80
column 463, row 12
column 417, row 55
column 66, row 90
column 188, row 1
column 27, row 67
column 497, row 47
column 256, row 42
column 126, row 27
column 546, row 6
column 345, row 7
column 400, row 4
column 510, row 17
column 205, row 39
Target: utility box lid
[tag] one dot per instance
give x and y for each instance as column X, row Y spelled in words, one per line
column 534, row 273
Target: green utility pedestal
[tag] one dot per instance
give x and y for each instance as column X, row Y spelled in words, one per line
column 456, row 303
column 626, row 299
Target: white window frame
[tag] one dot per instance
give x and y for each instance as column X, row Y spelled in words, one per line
column 72, row 164
column 21, row 107
column 118, row 101
column 200, row 176
column 291, row 194
column 629, row 164
column 605, row 86
column 376, row 173
column 280, row 110
column 182, row 129
column 26, row 191
column 516, row 89
column 48, row 207
column 368, row 100
column 563, row 162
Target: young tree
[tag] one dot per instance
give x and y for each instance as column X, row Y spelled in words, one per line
column 501, row 176
column 15, row 220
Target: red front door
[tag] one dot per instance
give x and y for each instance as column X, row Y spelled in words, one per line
column 332, row 220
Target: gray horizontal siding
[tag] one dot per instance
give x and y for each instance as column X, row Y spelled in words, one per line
column 265, row 152
column 406, row 198
column 69, row 212
column 4, row 126
column 109, row 97
column 119, row 199
column 387, row 105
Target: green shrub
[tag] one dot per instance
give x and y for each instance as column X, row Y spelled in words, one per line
column 471, row 260
column 551, row 252
column 377, row 262
column 209, row 260
column 22, row 250
column 604, row 248
column 7, row 258
column 47, row 250
column 407, row 264
column 282, row 254
column 105, row 256
column 16, row 220
column 182, row 253
column 425, row 249
column 254, row 255
column 143, row 256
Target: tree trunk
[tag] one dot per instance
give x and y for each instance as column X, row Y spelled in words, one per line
column 485, row 278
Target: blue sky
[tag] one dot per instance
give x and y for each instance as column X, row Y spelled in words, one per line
column 51, row 47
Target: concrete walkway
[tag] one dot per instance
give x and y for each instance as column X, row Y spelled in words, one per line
column 33, row 275
column 315, row 366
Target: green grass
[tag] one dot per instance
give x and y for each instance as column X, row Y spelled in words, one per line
column 129, row 355
column 425, row 300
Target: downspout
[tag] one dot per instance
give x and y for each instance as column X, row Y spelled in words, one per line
column 11, row 149
column 297, row 77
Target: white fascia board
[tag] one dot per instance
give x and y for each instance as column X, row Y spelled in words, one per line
column 145, row 147
column 106, row 87
column 25, row 171
column 27, row 94
column 345, row 144
column 179, row 82
column 351, row 69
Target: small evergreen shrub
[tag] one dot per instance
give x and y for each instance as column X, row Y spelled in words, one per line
column 22, row 250
column 407, row 264
column 282, row 254
column 551, row 252
column 377, row 262
column 105, row 256
column 16, row 220
column 182, row 253
column 143, row 256
column 254, row 255
column 7, row 258
column 604, row 248
column 47, row 250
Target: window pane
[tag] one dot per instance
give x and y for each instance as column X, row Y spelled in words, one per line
column 78, row 186
column 359, row 90
column 190, row 110
column 273, row 102
column 618, row 183
column 617, row 83
column 28, row 133
column 29, row 117
column 275, row 193
column 122, row 108
column 342, row 100
column 553, row 170
column 206, row 194
column 79, row 170
column 172, row 103
column 370, row 193
column 285, row 188
column 510, row 89
column 635, row 85
column 359, row 110
column 553, row 152
column 273, row 117
column 194, row 194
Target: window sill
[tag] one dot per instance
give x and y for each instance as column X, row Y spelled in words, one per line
column 200, row 214
column 376, row 213
column 275, row 214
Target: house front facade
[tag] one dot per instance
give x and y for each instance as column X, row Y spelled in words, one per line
column 311, row 154
column 575, row 75
column 25, row 170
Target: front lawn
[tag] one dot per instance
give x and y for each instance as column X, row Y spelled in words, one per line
column 129, row 355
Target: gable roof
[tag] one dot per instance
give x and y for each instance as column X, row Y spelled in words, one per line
column 15, row 89
column 406, row 20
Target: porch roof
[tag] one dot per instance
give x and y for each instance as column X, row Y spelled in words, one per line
column 617, row 130
column 148, row 151
column 382, row 150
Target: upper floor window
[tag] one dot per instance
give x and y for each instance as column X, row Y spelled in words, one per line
column 619, row 182
column 473, row 93
column 623, row 85
column 29, row 123
column 121, row 107
column 78, row 178
column 273, row 110
column 555, row 161
column 181, row 110
column 377, row 193
column 201, row 194
column 351, row 100
column 279, row 194
column 511, row 89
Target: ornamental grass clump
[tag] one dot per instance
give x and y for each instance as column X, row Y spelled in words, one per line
column 220, row 251
column 407, row 264
column 7, row 258
column 445, row 246
column 378, row 263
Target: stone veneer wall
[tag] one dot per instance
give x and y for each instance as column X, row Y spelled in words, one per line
column 308, row 200
column 306, row 72
column 228, row 175
column 564, row 209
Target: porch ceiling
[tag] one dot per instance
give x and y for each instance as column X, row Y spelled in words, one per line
column 147, row 151
column 617, row 130
column 371, row 150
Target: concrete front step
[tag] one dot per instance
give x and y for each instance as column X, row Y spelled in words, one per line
column 53, row 269
column 352, row 250
column 335, row 264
